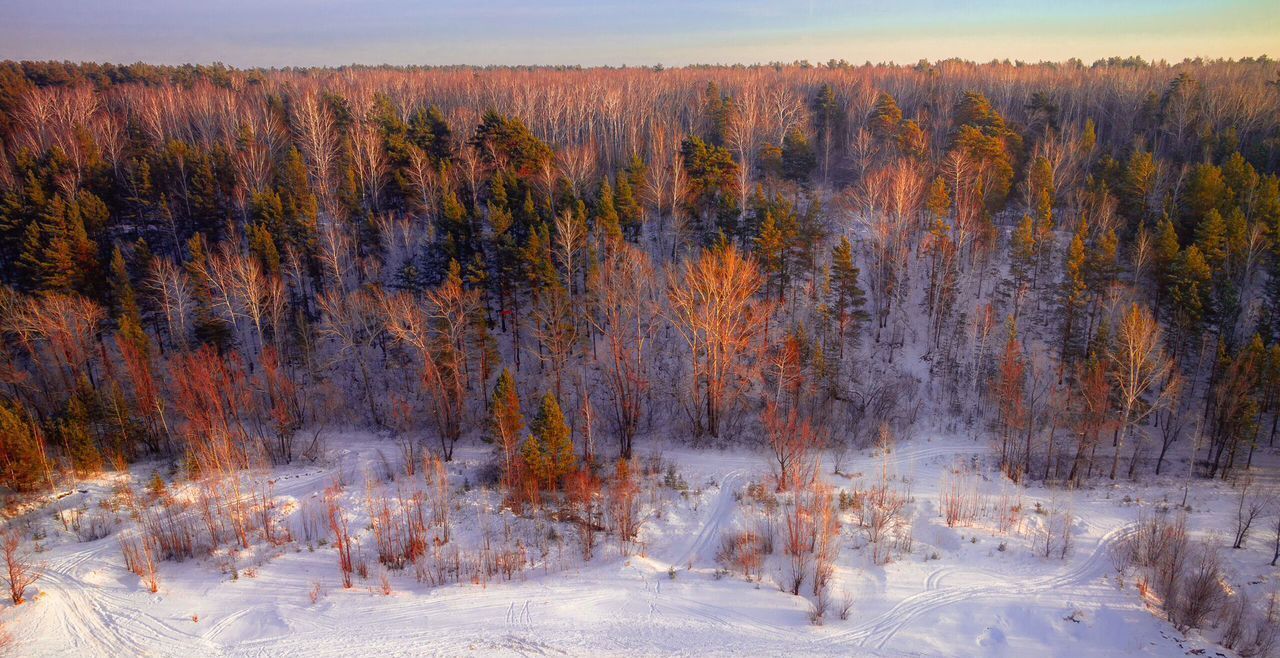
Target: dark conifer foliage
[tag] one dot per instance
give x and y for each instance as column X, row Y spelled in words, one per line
column 642, row 250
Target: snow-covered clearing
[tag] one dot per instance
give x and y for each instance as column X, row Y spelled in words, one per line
column 961, row 591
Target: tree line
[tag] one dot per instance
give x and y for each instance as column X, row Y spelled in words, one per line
column 210, row 264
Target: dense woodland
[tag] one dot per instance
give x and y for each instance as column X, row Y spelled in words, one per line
column 1080, row 263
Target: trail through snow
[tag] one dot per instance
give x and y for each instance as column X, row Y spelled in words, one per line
column 665, row 601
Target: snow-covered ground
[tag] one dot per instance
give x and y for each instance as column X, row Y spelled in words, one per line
column 981, row 590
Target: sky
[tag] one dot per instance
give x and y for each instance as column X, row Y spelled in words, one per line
column 251, row 33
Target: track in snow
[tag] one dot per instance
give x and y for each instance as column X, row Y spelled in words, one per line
column 877, row 632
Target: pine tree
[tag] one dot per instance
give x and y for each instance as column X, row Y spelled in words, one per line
column 1042, row 192
column 1206, row 191
column 529, row 216
column 126, row 300
column 1241, row 179
column 848, row 298
column 982, row 136
column 1102, row 262
column 938, row 202
column 1139, row 183
column 73, row 430
column 913, row 141
column 943, row 275
column 481, row 347
column 205, row 196
column 826, row 117
column 885, row 118
column 711, row 195
column 84, row 251
column 1266, row 208
column 535, row 462
column 1073, row 288
column 1211, row 238
column 1022, row 255
column 771, row 251
column 505, row 424
column 798, row 159
column 505, row 252
column 1166, row 254
column 263, row 247
column 606, row 217
column 209, row 328
column 1089, row 138
column 1236, row 240
column 49, row 249
column 22, row 456
column 1189, row 291
column 94, row 215
column 140, row 193
column 630, row 211
column 299, row 207
column 717, row 108
column 548, row 452
column 22, row 207
column 429, row 131
column 457, row 227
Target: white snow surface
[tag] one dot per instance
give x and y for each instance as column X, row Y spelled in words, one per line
column 972, row 599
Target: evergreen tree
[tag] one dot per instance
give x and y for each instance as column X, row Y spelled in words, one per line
column 1022, row 252
column 771, row 252
column 982, row 136
column 429, row 131
column 717, row 109
column 457, row 228
column 1089, row 139
column 827, row 120
column 209, row 328
column 1102, row 262
column 126, row 300
column 1139, row 184
column 1166, row 253
column 57, row 254
column 73, row 430
column 798, row 159
column 913, row 141
column 606, row 217
column 506, row 422
column 1042, row 193
column 22, row 456
column 22, row 206
column 263, row 247
column 300, row 210
column 1266, row 208
column 630, row 211
column 847, row 297
column 539, row 265
column 1073, row 288
column 1189, row 291
column 885, row 119
column 548, row 452
column 1211, row 238
column 1236, row 238
column 938, row 201
column 1206, row 191
column 712, row 184
column 1241, row 180
column 31, row 262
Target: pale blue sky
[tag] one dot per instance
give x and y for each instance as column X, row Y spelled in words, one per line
column 671, row 32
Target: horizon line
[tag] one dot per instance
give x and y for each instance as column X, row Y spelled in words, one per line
column 830, row 63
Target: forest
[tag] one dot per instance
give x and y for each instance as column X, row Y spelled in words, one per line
column 225, row 270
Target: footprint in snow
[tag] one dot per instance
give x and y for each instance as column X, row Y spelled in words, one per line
column 991, row 637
